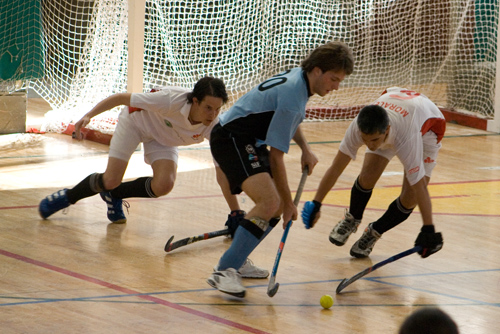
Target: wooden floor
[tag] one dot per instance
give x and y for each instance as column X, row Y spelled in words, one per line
column 76, row 273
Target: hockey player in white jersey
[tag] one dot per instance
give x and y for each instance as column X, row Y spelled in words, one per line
column 400, row 123
column 161, row 120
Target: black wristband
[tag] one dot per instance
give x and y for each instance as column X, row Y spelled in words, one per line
column 235, row 213
column 317, row 204
column 428, row 229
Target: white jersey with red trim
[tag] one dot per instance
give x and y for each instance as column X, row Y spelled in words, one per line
column 163, row 116
column 411, row 115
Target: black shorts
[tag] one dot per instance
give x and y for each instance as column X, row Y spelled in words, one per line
column 238, row 157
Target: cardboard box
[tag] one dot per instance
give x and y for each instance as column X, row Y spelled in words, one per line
column 13, row 112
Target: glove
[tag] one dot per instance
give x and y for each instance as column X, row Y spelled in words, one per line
column 311, row 208
column 430, row 241
column 233, row 221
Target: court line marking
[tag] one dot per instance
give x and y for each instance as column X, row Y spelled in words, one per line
column 170, row 198
column 209, row 196
column 147, row 297
column 207, row 147
column 376, row 279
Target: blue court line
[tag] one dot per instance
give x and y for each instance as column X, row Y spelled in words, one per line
column 99, row 299
column 377, row 279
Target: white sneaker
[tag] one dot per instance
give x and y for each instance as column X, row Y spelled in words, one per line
column 227, row 281
column 250, row 270
column 364, row 246
column 343, row 229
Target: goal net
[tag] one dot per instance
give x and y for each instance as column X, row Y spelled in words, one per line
column 444, row 49
column 21, row 48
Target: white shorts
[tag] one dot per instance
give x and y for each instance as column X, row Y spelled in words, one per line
column 128, row 136
column 431, row 149
column 430, row 152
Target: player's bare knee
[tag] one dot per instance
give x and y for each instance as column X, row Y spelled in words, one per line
column 367, row 181
column 408, row 198
column 111, row 182
column 272, row 206
column 409, row 202
column 162, row 188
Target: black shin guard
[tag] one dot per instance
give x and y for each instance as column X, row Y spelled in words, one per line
column 89, row 186
column 140, row 187
column 359, row 200
column 274, row 221
column 395, row 215
column 255, row 225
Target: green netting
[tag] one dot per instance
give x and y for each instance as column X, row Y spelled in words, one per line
column 21, row 48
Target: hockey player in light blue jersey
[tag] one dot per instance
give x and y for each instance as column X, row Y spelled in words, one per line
column 249, row 144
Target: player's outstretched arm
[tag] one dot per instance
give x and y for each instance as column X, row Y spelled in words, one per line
column 430, row 240
column 308, row 157
column 108, row 103
column 423, row 200
column 276, row 159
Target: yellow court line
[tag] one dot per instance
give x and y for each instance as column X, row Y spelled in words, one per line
column 468, row 198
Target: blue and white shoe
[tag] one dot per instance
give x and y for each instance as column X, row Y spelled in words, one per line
column 53, row 203
column 115, row 208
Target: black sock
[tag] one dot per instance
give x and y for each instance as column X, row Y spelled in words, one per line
column 359, row 200
column 137, row 188
column 89, row 186
column 395, row 215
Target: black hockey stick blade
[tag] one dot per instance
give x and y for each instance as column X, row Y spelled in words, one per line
column 169, row 246
column 345, row 282
column 271, row 292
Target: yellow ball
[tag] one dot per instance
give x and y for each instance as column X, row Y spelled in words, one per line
column 326, row 301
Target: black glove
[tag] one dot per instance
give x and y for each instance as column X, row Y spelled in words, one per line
column 311, row 208
column 233, row 221
column 430, row 241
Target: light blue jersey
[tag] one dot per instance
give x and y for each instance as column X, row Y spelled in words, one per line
column 272, row 111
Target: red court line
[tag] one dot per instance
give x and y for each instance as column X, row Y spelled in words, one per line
column 434, row 213
column 130, row 291
column 18, row 207
column 448, row 183
column 451, row 196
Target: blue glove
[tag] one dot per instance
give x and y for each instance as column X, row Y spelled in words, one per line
column 233, row 221
column 311, row 208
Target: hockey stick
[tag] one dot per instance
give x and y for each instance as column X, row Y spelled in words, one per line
column 345, row 282
column 186, row 241
column 272, row 288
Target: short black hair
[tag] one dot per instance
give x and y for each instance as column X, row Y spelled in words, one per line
column 429, row 320
column 372, row 119
column 332, row 56
column 208, row 86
